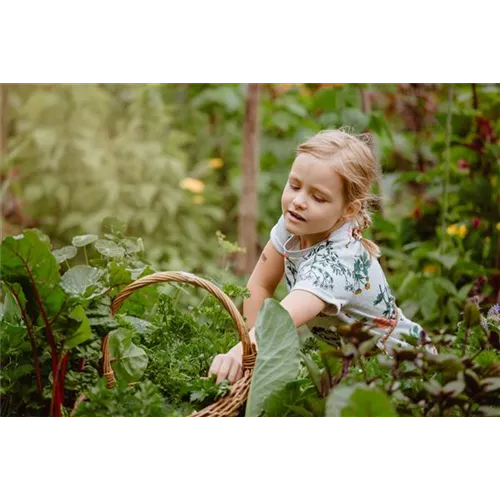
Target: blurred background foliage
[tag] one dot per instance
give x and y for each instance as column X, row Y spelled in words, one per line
column 166, row 159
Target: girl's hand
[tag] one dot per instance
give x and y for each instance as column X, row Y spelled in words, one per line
column 226, row 367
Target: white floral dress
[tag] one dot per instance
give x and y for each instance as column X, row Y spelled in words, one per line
column 342, row 273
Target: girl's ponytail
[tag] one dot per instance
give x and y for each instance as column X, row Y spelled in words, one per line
column 365, row 223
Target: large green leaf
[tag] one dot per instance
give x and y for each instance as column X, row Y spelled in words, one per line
column 83, row 332
column 27, row 259
column 358, row 401
column 129, row 362
column 290, row 400
column 81, row 281
column 278, row 359
column 64, row 253
column 118, row 274
column 109, row 248
column 84, row 239
column 14, row 302
column 14, row 342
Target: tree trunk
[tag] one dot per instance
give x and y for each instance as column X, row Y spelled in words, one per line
column 3, row 121
column 248, row 210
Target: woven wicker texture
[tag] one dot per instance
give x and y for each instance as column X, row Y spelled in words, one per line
column 229, row 405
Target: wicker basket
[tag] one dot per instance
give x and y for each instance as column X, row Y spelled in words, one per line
column 227, row 406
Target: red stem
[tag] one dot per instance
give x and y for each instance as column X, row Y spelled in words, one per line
column 48, row 330
column 56, row 405
column 32, row 341
column 50, row 336
column 62, row 377
column 57, row 393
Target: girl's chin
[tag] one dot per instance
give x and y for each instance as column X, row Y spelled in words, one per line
column 293, row 229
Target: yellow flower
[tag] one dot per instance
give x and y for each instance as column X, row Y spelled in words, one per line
column 494, row 181
column 193, row 185
column 216, row 162
column 457, row 230
column 430, row 269
column 498, row 226
column 198, row 200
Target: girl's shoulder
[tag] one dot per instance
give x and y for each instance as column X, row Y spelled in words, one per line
column 343, row 244
column 279, row 235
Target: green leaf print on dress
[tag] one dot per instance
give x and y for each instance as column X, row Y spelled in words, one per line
column 415, row 331
column 361, row 276
column 387, row 298
column 321, row 266
column 292, row 271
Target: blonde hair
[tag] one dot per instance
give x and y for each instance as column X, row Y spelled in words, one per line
column 352, row 158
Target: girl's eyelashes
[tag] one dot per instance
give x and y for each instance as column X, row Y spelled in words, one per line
column 296, row 188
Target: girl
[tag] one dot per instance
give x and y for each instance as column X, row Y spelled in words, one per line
column 331, row 270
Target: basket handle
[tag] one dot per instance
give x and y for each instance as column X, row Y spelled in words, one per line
column 249, row 350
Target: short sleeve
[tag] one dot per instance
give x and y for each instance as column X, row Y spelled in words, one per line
column 325, row 275
column 279, row 235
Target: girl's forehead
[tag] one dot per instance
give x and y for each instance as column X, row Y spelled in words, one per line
column 314, row 171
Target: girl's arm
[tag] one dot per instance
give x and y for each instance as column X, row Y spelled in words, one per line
column 263, row 281
column 262, row 284
column 301, row 305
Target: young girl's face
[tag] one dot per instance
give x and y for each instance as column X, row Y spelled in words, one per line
column 312, row 201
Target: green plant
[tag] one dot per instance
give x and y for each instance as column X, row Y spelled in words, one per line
column 48, row 314
column 54, row 317
column 354, row 380
column 92, row 151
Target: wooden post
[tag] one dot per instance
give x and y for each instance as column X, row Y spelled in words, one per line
column 248, row 210
column 3, row 121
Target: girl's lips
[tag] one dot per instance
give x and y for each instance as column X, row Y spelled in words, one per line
column 295, row 216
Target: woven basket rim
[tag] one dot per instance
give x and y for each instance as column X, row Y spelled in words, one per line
column 229, row 404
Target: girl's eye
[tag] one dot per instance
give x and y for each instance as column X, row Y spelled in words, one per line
column 294, row 187
column 319, row 200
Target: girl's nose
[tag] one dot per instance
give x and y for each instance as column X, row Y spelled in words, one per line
column 299, row 202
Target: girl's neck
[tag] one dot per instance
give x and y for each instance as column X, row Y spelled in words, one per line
column 309, row 240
